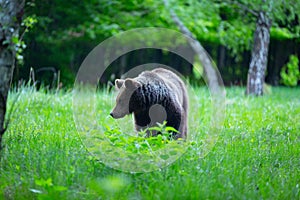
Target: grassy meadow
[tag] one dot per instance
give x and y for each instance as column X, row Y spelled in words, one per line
column 255, row 156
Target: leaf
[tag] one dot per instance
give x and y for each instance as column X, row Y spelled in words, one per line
column 15, row 40
column 171, row 129
column 155, row 128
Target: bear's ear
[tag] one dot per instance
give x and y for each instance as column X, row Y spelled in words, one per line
column 131, row 83
column 119, row 83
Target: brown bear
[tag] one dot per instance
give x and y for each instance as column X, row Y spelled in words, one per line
column 153, row 97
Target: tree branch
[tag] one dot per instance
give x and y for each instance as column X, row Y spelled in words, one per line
column 244, row 7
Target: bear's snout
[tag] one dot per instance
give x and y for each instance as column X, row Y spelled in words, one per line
column 112, row 114
column 117, row 114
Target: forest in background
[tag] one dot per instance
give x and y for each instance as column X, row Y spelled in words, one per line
column 64, row 32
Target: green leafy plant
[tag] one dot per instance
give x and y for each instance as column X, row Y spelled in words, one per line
column 17, row 40
column 290, row 72
column 141, row 143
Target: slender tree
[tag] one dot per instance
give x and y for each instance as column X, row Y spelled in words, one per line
column 267, row 14
column 259, row 55
column 11, row 12
column 209, row 69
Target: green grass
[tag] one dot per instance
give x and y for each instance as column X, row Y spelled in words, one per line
column 257, row 155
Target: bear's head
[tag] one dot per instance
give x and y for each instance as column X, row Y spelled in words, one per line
column 126, row 89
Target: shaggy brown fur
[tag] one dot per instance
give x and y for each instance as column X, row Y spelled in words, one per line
column 153, row 97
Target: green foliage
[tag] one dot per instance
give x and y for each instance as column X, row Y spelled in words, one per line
column 200, row 17
column 281, row 33
column 239, row 20
column 16, row 43
column 290, row 74
column 65, row 31
column 140, row 144
column 19, row 46
column 256, row 156
column 27, row 24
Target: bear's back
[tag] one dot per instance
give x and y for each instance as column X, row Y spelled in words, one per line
column 174, row 82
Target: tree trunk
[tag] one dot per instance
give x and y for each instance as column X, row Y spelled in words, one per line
column 11, row 12
column 259, row 56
